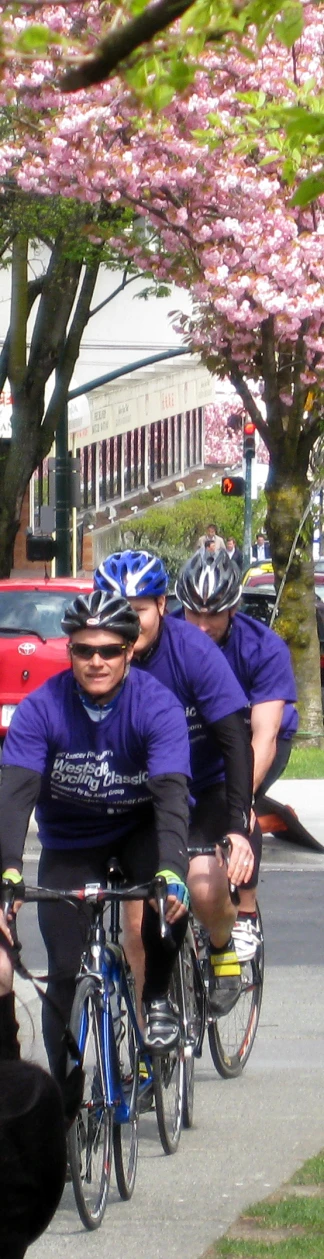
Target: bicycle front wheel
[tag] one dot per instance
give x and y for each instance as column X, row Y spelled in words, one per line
column 168, row 1083
column 90, row 1137
column 232, row 1037
column 125, row 1135
column 192, row 1014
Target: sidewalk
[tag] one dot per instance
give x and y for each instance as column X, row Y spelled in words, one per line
column 306, row 796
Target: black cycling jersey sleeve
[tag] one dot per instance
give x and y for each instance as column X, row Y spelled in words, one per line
column 19, row 792
column 171, row 807
column 233, row 742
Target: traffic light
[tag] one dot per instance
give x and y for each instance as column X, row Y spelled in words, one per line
column 40, row 548
column 248, row 438
column 233, row 486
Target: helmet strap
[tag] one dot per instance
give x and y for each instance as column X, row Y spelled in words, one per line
column 142, row 656
column 222, row 641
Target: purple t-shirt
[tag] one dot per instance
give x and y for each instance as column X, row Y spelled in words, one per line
column 262, row 664
column 94, row 773
column 190, row 665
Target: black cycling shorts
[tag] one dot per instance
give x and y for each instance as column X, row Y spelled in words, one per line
column 209, row 822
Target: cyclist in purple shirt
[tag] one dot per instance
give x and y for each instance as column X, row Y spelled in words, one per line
column 220, row 754
column 209, row 588
column 104, row 752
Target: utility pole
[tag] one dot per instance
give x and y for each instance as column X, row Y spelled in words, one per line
column 62, row 495
column 248, row 455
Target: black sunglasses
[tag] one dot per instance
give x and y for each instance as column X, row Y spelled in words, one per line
column 108, row 651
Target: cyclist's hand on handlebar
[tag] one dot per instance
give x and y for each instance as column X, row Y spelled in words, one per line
column 11, row 892
column 240, row 860
column 177, row 900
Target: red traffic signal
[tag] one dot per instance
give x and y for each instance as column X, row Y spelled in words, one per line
column 248, row 438
column 233, row 486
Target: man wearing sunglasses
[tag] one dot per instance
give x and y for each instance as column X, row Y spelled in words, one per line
column 104, row 753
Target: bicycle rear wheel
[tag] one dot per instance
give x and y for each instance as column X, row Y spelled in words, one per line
column 125, row 1135
column 168, row 1083
column 90, row 1137
column 231, row 1038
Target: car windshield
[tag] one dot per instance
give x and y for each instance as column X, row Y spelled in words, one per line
column 36, row 611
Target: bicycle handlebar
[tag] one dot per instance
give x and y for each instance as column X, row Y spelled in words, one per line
column 93, row 894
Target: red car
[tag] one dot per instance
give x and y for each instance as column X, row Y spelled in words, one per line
column 33, row 645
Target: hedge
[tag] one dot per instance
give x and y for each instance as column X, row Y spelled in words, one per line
column 172, row 530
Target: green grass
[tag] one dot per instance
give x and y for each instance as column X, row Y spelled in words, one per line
column 305, row 763
column 283, row 1212
column 293, row 1248
column 312, row 1172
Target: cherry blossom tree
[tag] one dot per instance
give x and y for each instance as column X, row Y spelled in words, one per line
column 227, row 228
column 224, row 421
column 218, row 204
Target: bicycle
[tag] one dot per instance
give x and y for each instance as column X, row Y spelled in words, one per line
column 104, row 1026
column 231, row 1036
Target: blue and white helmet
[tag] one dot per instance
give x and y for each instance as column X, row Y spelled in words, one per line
column 133, row 574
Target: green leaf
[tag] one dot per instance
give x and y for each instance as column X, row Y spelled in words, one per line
column 309, row 189
column 289, row 26
column 299, row 121
column 268, row 159
column 137, row 6
column 37, row 39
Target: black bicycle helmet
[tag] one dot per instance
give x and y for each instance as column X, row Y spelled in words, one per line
column 210, row 582
column 102, row 611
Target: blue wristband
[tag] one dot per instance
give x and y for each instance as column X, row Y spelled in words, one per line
column 176, row 887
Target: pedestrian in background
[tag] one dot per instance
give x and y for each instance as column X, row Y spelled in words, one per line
column 211, row 539
column 234, row 552
column 261, row 549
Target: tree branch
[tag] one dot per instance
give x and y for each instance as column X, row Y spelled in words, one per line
column 60, row 285
column 71, row 349
column 18, row 312
column 34, row 288
column 247, row 398
column 120, row 43
column 271, row 388
column 119, row 289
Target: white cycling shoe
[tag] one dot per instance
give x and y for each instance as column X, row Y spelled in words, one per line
column 247, row 938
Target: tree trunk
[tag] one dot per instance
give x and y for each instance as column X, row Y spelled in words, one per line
column 287, row 498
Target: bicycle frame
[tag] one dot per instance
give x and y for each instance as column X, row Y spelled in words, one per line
column 104, row 959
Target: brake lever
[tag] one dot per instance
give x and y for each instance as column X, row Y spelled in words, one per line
column 160, row 892
column 225, row 844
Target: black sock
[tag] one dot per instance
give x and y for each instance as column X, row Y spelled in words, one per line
column 243, row 914
column 213, row 947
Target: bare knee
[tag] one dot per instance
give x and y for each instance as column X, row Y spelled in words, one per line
column 208, row 884
column 210, row 898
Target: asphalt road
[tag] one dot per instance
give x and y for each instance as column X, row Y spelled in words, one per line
column 249, row 1134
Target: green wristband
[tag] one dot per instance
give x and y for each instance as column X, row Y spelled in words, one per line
column 169, row 874
column 12, row 875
